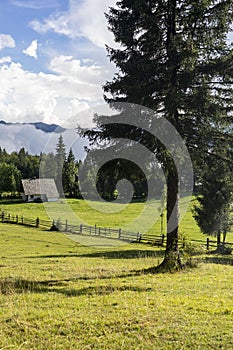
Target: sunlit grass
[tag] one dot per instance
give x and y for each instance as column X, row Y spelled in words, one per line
column 56, row 294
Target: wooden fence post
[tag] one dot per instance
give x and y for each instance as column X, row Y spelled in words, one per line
column 81, row 228
column 183, row 243
column 37, row 222
column 66, row 227
column 163, row 239
column 119, row 233
column 3, row 215
column 207, row 243
column 17, row 219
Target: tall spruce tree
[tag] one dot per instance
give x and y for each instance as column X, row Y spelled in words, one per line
column 60, row 157
column 174, row 57
column 70, row 175
column 213, row 212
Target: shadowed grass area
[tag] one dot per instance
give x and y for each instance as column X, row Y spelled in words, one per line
column 57, row 294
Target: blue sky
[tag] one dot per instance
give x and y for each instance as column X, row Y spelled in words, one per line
column 53, row 61
column 52, row 58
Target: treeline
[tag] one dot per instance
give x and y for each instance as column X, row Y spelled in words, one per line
column 20, row 165
column 122, row 179
column 64, row 168
column 16, row 166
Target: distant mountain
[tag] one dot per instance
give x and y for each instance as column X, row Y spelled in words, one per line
column 39, row 137
column 39, row 125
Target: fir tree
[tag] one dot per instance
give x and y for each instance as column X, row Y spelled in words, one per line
column 214, row 210
column 60, row 157
column 175, row 59
column 70, row 175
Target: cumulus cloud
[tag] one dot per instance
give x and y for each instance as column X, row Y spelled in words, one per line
column 6, row 40
column 71, row 87
column 31, row 50
column 83, row 19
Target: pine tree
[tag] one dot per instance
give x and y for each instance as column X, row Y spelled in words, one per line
column 175, row 59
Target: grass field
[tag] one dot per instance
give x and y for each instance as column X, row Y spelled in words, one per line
column 56, row 294
column 126, row 217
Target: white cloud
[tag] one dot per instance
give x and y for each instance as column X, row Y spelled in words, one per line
column 83, row 19
column 6, row 59
column 57, row 23
column 35, row 4
column 31, row 50
column 71, row 87
column 68, row 66
column 6, row 40
column 36, row 141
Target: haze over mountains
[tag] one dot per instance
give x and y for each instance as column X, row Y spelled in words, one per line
column 39, row 137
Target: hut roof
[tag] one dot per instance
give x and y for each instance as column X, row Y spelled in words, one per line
column 40, row 186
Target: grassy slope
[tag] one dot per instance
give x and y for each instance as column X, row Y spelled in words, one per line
column 55, row 294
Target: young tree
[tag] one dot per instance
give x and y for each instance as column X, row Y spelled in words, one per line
column 175, row 59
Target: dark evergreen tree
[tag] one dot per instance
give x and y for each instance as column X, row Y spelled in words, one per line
column 175, row 59
column 70, row 175
column 60, row 159
column 214, row 213
column 48, row 166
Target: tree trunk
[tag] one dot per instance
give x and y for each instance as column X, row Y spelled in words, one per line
column 171, row 259
column 172, row 256
column 172, row 214
column 224, row 236
column 218, row 239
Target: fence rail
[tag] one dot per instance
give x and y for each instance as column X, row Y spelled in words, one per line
column 105, row 232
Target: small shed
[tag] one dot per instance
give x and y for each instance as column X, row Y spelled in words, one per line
column 40, row 190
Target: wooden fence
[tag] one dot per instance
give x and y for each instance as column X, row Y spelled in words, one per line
column 22, row 220
column 97, row 231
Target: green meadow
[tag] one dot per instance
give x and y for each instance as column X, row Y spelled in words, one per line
column 131, row 217
column 58, row 294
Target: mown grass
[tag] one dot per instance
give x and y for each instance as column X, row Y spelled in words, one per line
column 56, row 294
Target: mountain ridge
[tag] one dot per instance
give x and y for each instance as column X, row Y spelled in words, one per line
column 39, row 137
column 48, row 128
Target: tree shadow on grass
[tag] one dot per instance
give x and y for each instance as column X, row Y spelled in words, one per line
column 21, row 286
column 11, row 201
column 219, row 260
column 122, row 254
column 126, row 254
